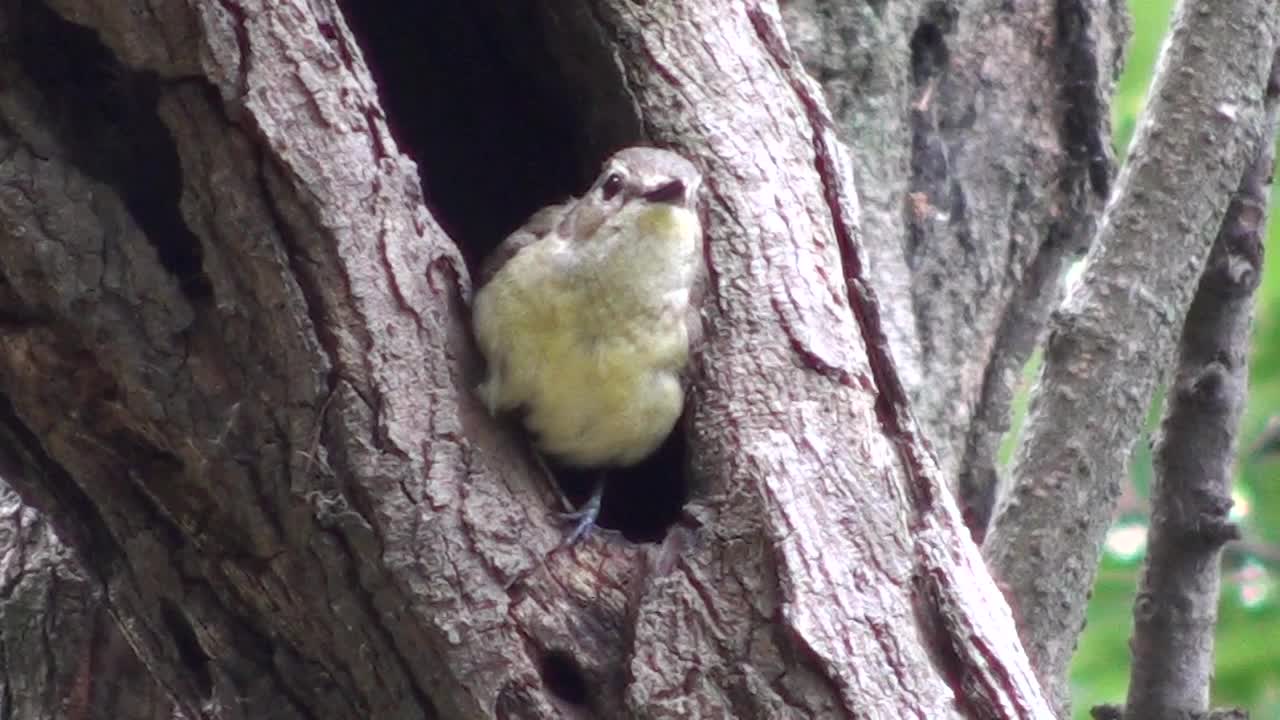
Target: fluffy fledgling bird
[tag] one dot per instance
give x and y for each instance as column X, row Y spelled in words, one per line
column 586, row 315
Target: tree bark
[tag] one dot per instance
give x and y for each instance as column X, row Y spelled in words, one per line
column 791, row 305
column 235, row 367
column 1113, row 339
column 241, row 366
column 980, row 134
column 62, row 655
column 1176, row 611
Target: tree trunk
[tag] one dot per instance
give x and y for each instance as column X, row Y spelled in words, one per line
column 235, row 371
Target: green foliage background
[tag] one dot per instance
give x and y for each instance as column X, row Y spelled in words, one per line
column 1248, row 637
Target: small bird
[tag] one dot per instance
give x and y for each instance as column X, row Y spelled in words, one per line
column 587, row 314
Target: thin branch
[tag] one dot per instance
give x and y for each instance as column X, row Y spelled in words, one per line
column 1177, row 604
column 1113, row 340
column 1086, row 58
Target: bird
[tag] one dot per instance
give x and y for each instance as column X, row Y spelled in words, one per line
column 588, row 314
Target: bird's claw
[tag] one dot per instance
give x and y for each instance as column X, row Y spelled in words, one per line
column 584, row 516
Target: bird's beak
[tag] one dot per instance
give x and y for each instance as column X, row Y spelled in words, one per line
column 672, row 192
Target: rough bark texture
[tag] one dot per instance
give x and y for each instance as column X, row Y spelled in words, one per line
column 791, row 307
column 1111, row 342
column 245, row 406
column 1176, row 610
column 980, row 135
column 61, row 655
column 234, row 367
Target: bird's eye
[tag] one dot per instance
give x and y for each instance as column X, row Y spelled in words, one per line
column 612, row 186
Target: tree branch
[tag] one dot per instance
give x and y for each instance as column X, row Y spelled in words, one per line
column 1176, row 610
column 966, row 245
column 1113, row 339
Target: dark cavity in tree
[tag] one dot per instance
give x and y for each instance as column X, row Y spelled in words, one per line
column 104, row 114
column 641, row 501
column 929, row 52
column 563, row 677
column 494, row 140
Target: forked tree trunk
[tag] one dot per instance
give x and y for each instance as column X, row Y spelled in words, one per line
column 235, row 370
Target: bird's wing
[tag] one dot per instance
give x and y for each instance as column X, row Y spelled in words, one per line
column 541, row 223
column 693, row 315
column 693, row 318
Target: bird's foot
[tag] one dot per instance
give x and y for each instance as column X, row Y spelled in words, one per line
column 585, row 516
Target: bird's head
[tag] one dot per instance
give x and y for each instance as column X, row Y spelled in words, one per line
column 633, row 180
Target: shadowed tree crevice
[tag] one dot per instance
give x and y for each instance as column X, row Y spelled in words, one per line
column 466, row 93
column 184, row 639
column 564, row 678
column 104, row 115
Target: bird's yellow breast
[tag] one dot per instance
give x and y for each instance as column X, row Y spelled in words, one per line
column 592, row 348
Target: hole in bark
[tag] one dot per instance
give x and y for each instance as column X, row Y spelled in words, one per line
column 642, row 501
column 189, row 651
column 929, row 53
column 104, row 115
column 474, row 93
column 563, row 677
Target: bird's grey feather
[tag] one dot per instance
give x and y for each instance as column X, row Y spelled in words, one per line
column 537, row 226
